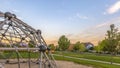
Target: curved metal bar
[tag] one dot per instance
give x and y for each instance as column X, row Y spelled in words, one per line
column 19, row 49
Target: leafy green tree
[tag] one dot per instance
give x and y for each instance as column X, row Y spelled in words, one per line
column 103, row 45
column 82, row 48
column 52, row 47
column 79, row 47
column 63, row 43
column 118, row 43
column 111, row 42
column 97, row 48
column 76, row 46
column 111, row 38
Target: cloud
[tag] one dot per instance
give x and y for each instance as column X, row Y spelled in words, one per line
column 93, row 34
column 114, row 8
column 96, row 33
column 77, row 17
column 101, row 25
column 81, row 16
column 15, row 10
column 107, row 23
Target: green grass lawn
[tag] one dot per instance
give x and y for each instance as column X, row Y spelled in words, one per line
column 77, row 55
column 92, row 56
column 23, row 54
column 88, row 63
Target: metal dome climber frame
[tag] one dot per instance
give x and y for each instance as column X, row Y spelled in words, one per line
column 15, row 35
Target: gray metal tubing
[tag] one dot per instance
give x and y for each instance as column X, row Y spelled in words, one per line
column 12, row 49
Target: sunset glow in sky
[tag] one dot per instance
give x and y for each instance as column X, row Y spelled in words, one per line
column 79, row 20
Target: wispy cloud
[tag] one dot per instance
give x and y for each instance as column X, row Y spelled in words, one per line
column 107, row 23
column 114, row 8
column 101, row 25
column 96, row 33
column 78, row 16
column 15, row 10
column 81, row 16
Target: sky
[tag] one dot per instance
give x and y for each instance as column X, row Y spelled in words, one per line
column 78, row 20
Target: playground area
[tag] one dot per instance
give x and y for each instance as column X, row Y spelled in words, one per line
column 17, row 36
column 20, row 43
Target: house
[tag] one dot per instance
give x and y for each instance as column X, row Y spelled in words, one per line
column 89, row 45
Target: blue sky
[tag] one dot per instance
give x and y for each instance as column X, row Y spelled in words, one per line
column 79, row 20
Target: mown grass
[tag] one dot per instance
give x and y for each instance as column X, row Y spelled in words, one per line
column 88, row 63
column 92, row 56
column 22, row 54
column 77, row 55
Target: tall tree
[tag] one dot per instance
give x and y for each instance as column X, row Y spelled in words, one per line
column 63, row 43
column 118, row 43
column 111, row 38
column 111, row 41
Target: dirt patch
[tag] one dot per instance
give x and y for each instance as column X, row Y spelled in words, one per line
column 66, row 64
column 60, row 64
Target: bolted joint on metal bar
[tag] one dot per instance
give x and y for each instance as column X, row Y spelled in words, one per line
column 42, row 48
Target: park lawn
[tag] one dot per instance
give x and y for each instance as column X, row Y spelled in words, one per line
column 22, row 54
column 92, row 56
column 84, row 62
column 88, row 63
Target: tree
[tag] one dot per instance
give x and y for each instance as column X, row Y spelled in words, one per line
column 82, row 48
column 51, row 46
column 118, row 43
column 97, row 49
column 111, row 39
column 63, row 43
column 110, row 42
column 76, row 46
column 102, row 46
column 79, row 47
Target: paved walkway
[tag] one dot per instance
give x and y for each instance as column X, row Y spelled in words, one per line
column 88, row 59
